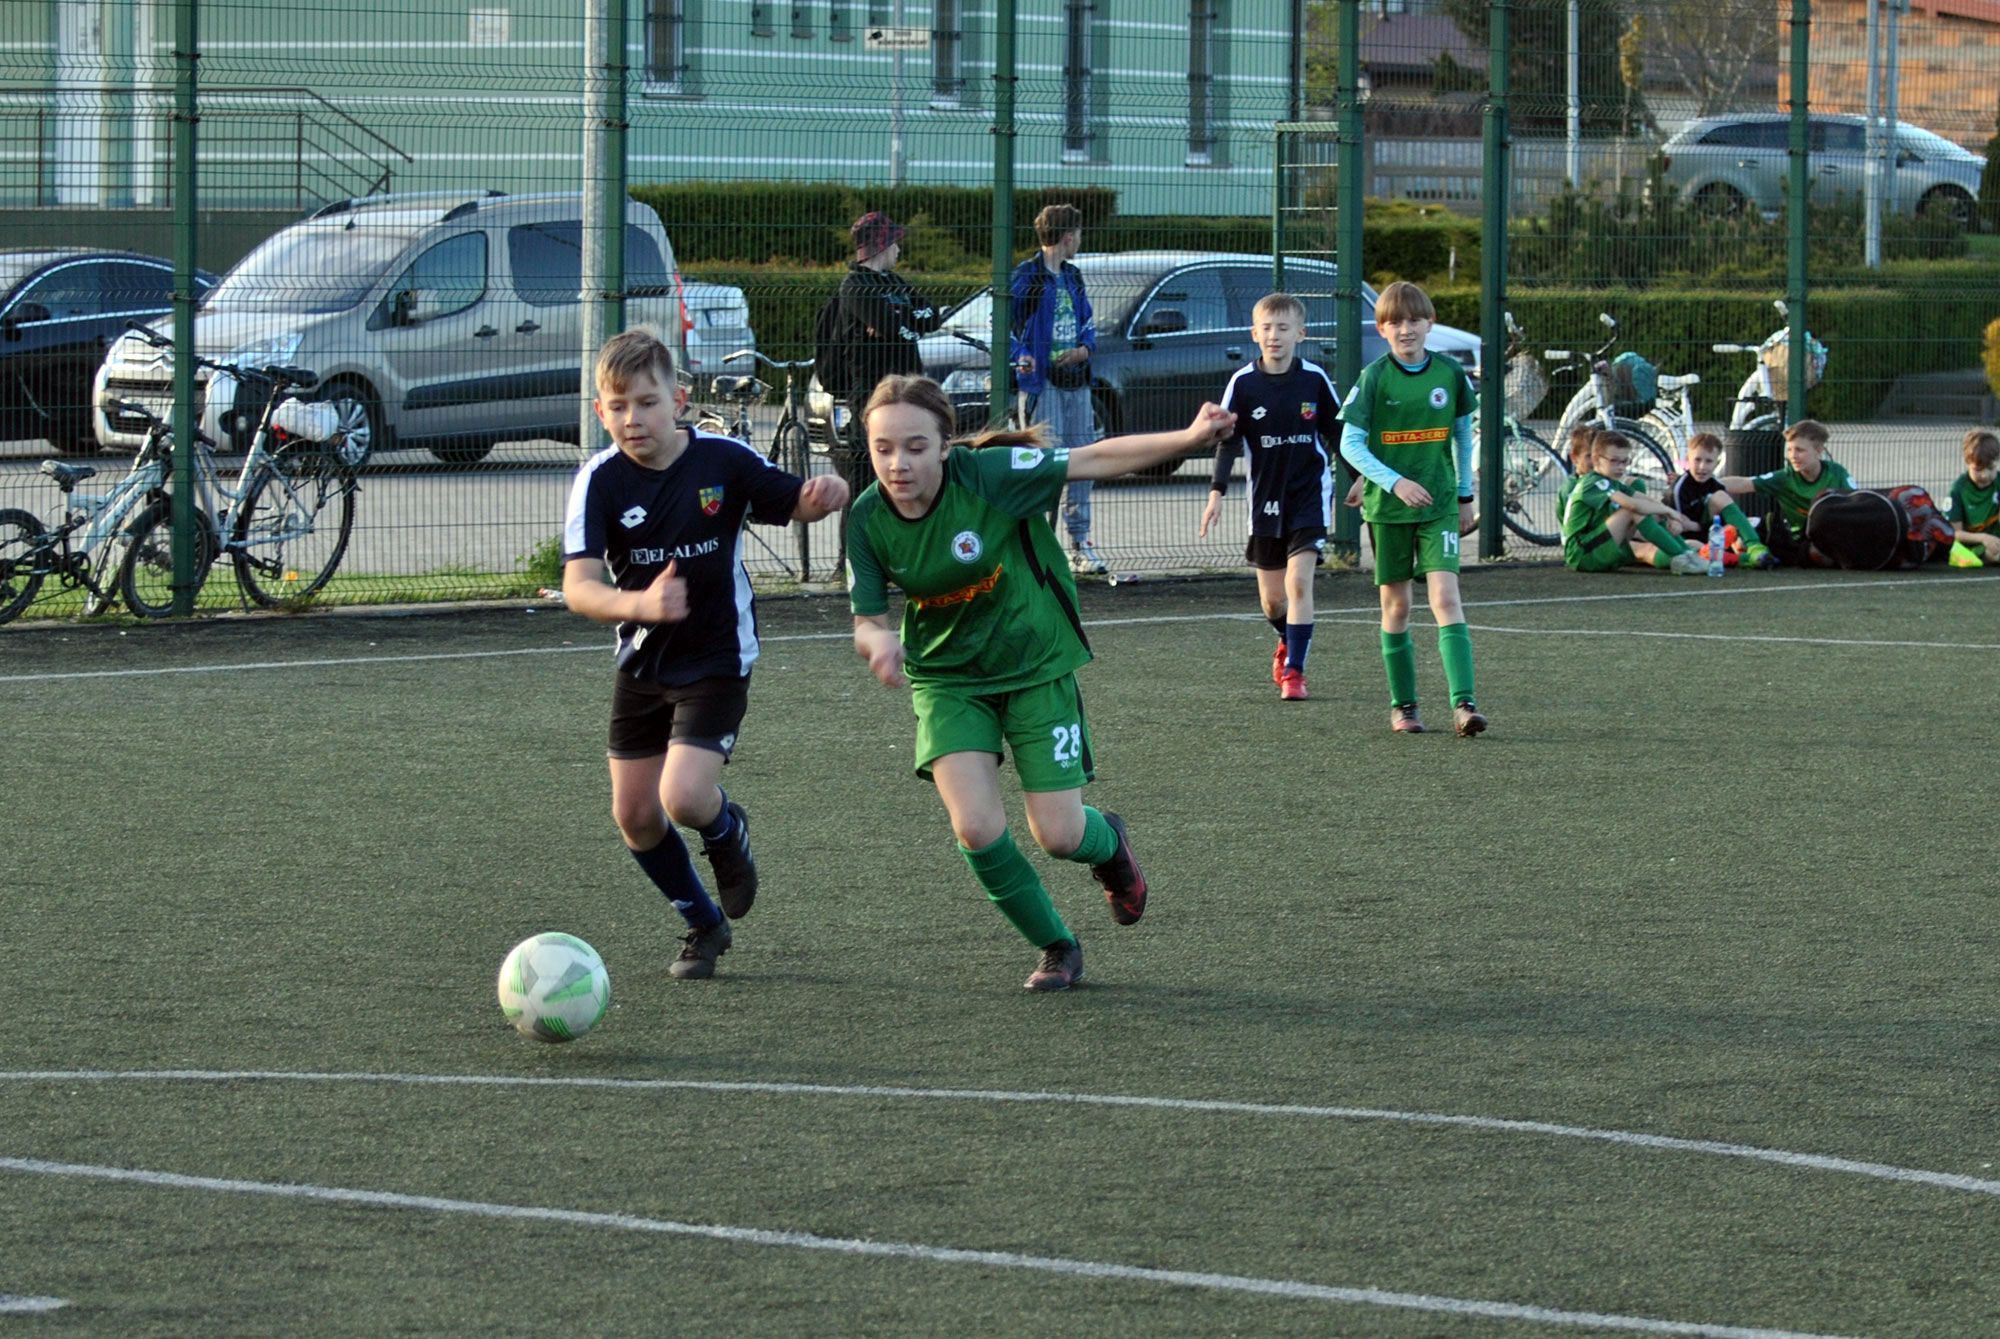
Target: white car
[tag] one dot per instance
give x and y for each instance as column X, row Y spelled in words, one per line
column 718, row 325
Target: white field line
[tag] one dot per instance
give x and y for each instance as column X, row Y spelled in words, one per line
column 1666, row 1143
column 12, row 1305
column 1353, row 614
column 808, row 1241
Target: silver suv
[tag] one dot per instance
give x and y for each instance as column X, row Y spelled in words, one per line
column 1741, row 161
column 449, row 322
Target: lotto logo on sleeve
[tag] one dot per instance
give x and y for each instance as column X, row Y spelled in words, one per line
column 1025, row 458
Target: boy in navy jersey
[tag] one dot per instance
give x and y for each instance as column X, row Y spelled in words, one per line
column 661, row 512
column 1283, row 405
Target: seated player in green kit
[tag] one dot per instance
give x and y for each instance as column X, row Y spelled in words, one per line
column 1608, row 523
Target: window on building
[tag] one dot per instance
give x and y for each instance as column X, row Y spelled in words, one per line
column 802, row 19
column 761, row 24
column 1079, row 16
column 947, row 32
column 666, row 44
column 1203, row 23
column 836, row 21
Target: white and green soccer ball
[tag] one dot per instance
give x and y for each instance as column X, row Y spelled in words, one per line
column 553, row 987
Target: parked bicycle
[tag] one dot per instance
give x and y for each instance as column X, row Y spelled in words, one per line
column 790, row 448
column 1531, row 471
column 1760, row 402
column 1602, row 404
column 284, row 525
column 87, row 548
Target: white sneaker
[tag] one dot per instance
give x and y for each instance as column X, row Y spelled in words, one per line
column 1689, row 564
column 1083, row 559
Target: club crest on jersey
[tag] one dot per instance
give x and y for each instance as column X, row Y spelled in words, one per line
column 711, row 500
column 965, row 545
column 1025, row 458
column 633, row 518
column 1438, row 397
column 1308, row 410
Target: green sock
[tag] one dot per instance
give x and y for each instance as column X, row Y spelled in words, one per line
column 1399, row 657
column 1651, row 530
column 1100, row 843
column 1012, row 885
column 1733, row 515
column 1662, row 559
column 1455, row 649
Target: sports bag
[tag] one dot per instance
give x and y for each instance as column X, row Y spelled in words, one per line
column 1928, row 536
column 1862, row 531
column 1635, row 385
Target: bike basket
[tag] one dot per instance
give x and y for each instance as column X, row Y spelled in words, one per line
column 1776, row 353
column 313, row 421
column 1635, row 385
column 1527, row 384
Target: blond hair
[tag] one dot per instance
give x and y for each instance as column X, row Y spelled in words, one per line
column 1404, row 301
column 1274, row 305
column 1707, row 441
column 1809, row 430
column 631, row 352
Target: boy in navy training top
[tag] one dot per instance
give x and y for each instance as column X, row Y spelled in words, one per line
column 662, row 511
column 1283, row 404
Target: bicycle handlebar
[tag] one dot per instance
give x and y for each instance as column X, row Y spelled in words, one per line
column 768, row 361
column 279, row 375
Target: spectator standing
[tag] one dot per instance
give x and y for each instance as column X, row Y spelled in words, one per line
column 1052, row 337
column 882, row 316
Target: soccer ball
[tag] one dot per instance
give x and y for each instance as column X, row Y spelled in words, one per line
column 553, row 987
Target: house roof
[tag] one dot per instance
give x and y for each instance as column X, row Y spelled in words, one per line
column 1409, row 44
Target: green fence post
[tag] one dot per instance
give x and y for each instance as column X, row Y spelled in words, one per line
column 186, row 59
column 1493, row 289
column 616, row 122
column 1795, row 214
column 1347, row 244
column 1003, row 204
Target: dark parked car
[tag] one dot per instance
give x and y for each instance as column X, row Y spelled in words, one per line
column 1171, row 327
column 60, row 307
column 1739, row 161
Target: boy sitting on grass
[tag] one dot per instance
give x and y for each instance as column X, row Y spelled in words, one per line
column 1604, row 513
column 1974, row 510
column 1807, row 472
column 1699, row 495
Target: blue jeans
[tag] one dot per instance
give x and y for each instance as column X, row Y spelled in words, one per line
column 1068, row 415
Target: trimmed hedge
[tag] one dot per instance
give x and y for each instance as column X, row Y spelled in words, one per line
column 1874, row 335
column 784, row 300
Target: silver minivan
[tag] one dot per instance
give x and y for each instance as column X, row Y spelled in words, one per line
column 1727, row 163
column 444, row 321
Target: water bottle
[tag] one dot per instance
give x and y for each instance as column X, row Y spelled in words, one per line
column 1716, row 543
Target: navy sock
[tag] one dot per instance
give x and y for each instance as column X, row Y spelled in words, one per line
column 668, row 866
column 724, row 826
column 1277, row 623
column 1298, row 640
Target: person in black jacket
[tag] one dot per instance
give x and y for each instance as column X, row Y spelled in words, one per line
column 881, row 318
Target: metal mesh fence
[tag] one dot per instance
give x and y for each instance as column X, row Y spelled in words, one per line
column 397, row 199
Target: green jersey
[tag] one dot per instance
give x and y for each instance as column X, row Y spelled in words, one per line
column 1794, row 495
column 1593, row 500
column 991, row 605
column 1974, row 508
column 1408, row 417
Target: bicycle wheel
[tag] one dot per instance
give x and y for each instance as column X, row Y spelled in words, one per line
column 21, row 540
column 292, row 527
column 146, row 576
column 791, row 451
column 1531, row 477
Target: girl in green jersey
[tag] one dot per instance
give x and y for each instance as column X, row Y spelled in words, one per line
column 991, row 639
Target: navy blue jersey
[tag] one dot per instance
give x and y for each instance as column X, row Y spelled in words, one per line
column 1282, row 424
column 691, row 514
column 1689, row 496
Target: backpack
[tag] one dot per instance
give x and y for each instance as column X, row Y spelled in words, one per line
column 833, row 356
column 1635, row 385
column 1869, row 529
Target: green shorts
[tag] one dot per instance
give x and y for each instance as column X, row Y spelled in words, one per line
column 1043, row 726
column 1407, row 549
column 1598, row 552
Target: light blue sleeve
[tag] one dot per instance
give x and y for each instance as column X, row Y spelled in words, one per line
column 1461, row 437
column 1354, row 450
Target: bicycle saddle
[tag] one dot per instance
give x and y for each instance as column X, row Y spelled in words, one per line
column 739, row 388
column 290, row 374
column 68, row 476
